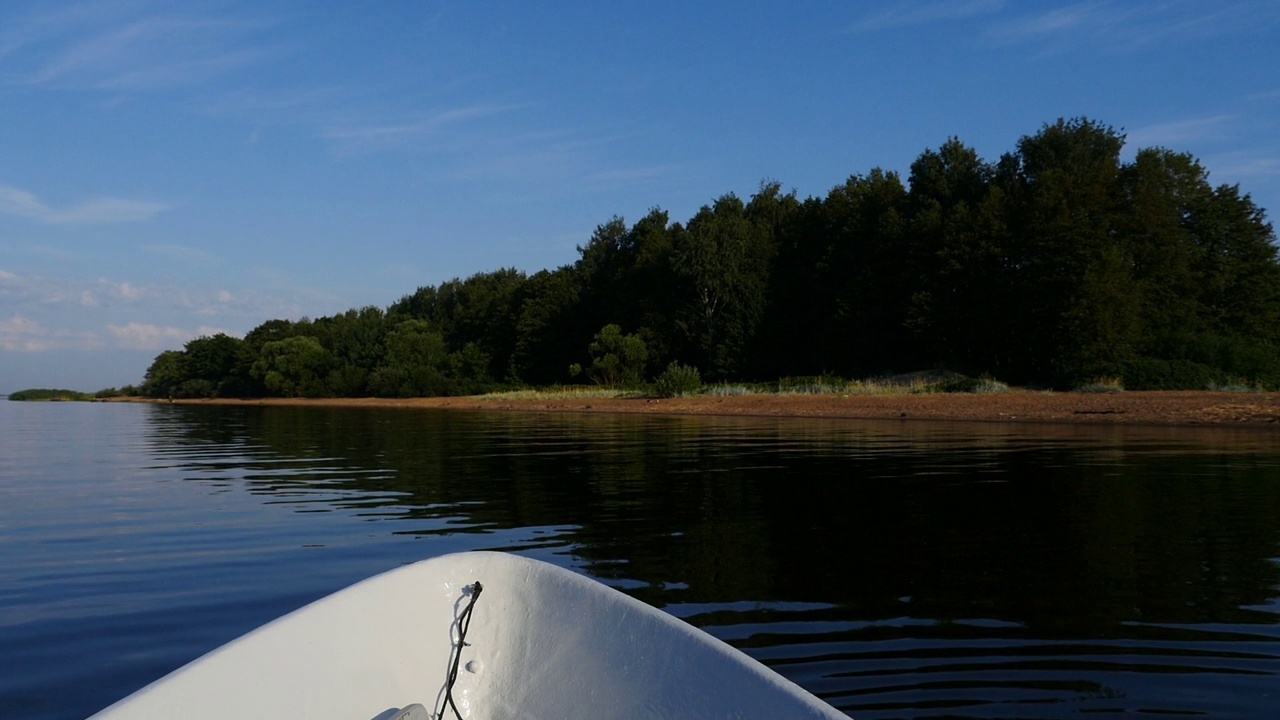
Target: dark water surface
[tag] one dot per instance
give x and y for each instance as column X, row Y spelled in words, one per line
column 894, row 569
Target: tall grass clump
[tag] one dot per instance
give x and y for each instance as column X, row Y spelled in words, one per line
column 988, row 384
column 1235, row 385
column 1101, row 385
column 979, row 385
column 566, row 392
column 816, row 385
column 677, row 381
column 727, row 390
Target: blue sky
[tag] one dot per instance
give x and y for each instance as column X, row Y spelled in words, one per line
column 173, row 169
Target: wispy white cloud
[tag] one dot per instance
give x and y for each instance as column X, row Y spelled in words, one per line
column 108, row 44
column 375, row 136
column 21, row 334
column 230, row 61
column 98, row 211
column 1094, row 16
column 1243, row 165
column 183, row 254
column 628, row 176
column 1121, row 25
column 26, row 288
column 124, row 290
column 52, row 292
column 1179, row 132
column 147, row 336
column 18, row 334
column 908, row 14
column 71, row 298
column 150, row 336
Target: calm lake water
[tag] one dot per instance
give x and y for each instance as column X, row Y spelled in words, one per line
column 894, row 569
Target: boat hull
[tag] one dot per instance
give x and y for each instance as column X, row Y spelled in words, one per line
column 543, row 642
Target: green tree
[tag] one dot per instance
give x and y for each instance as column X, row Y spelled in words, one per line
column 869, row 278
column 1163, row 191
column 415, row 360
column 484, row 310
column 551, row 330
column 469, row 370
column 166, row 373
column 220, row 365
column 626, row 277
column 1074, row 301
column 294, row 367
column 1236, row 267
column 774, row 215
column 956, row 236
column 801, row 301
column 617, row 359
column 721, row 263
column 355, row 340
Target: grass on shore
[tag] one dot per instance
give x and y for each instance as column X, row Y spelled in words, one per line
column 908, row 384
column 1102, row 385
column 567, row 392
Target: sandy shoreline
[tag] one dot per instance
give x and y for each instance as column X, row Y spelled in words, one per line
column 1192, row 408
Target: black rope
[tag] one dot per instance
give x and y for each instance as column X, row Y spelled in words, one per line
column 464, row 622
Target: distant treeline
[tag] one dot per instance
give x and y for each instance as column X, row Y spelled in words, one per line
column 37, row 394
column 1053, row 265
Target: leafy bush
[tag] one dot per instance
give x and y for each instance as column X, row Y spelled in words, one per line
column 111, row 392
column 677, row 380
column 616, row 359
column 1156, row 374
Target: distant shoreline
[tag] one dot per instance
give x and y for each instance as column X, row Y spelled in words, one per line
column 1186, row 408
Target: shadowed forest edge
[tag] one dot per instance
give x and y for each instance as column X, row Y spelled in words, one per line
column 1054, row 266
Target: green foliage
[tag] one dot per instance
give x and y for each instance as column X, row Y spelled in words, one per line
column 167, row 372
column 677, row 381
column 413, row 364
column 616, row 359
column 294, row 367
column 48, row 394
column 111, row 392
column 551, row 330
column 1057, row 263
column 721, row 264
column 484, row 310
column 216, row 366
column 469, row 368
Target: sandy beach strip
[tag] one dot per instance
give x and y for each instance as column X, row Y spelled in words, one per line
column 1188, row 408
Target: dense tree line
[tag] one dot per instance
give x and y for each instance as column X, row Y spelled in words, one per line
column 1057, row 263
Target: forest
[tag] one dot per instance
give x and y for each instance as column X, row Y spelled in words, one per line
column 1057, row 263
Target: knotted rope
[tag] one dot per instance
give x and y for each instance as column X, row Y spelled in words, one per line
column 464, row 622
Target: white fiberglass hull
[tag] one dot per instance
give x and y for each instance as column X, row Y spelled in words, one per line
column 543, row 642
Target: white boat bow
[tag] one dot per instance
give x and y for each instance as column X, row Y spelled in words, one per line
column 541, row 642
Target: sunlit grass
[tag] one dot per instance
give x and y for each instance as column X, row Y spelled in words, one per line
column 1101, row 384
column 727, row 390
column 569, row 392
column 1236, row 385
column 907, row 384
